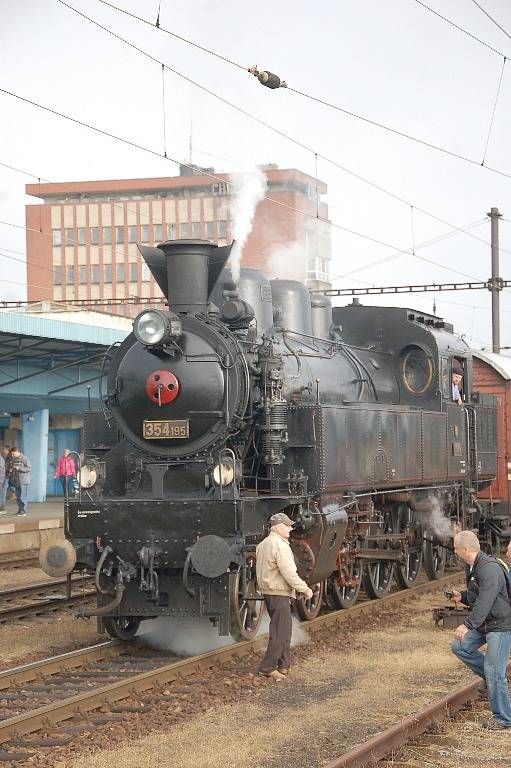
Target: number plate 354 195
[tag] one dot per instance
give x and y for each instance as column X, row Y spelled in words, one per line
column 166, row 429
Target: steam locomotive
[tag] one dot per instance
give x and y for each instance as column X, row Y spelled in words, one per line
column 239, row 401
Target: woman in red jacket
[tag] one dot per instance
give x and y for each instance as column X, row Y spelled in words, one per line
column 66, row 470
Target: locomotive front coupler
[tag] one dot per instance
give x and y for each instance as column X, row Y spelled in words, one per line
column 149, row 582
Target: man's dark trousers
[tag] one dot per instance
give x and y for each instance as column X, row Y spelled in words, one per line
column 278, row 653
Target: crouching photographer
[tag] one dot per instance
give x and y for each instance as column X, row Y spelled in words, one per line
column 489, row 621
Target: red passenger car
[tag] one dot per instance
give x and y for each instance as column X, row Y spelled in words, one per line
column 492, row 375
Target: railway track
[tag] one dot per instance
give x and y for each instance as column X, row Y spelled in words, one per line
column 28, row 558
column 44, row 597
column 388, row 742
column 61, row 696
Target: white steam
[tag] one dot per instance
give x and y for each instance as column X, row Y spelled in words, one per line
column 434, row 519
column 184, row 637
column 248, row 191
column 190, row 637
column 299, row 635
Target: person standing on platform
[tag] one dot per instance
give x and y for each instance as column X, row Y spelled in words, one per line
column 19, row 479
column 4, row 485
column 2, row 481
column 66, row 471
column 278, row 580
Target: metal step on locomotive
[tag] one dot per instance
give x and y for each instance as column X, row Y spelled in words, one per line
column 239, row 401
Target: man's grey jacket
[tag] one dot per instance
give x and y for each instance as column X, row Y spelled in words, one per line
column 19, row 472
column 487, row 596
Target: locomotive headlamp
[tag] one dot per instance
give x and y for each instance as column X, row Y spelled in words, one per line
column 155, row 328
column 223, row 474
column 87, row 476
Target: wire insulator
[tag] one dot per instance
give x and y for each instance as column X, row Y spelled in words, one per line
column 269, row 79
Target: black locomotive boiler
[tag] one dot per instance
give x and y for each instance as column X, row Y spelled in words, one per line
column 240, row 401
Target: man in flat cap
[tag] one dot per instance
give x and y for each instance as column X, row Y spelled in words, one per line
column 278, row 581
column 457, row 378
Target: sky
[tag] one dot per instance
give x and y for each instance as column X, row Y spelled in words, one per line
column 393, row 62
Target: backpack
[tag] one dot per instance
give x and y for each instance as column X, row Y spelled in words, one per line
column 506, row 568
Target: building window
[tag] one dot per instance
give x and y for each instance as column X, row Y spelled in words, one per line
column 184, row 231
column 220, row 189
column 196, row 230
column 83, row 275
column 172, row 232
column 57, row 237
column 70, row 237
column 107, row 235
column 94, row 235
column 108, row 273
column 222, row 229
column 95, row 273
column 145, row 233
column 70, row 275
column 120, row 273
column 81, row 235
column 132, row 232
column 57, row 275
column 146, row 274
column 133, row 273
column 119, row 235
column 318, row 269
column 210, row 230
column 158, row 233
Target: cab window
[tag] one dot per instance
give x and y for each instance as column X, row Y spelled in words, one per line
column 446, row 378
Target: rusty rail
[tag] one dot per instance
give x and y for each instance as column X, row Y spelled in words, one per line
column 397, row 735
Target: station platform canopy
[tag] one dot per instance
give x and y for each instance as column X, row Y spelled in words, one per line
column 48, row 363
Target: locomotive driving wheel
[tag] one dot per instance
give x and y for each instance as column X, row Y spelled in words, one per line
column 246, row 608
column 378, row 578
column 405, row 522
column 343, row 586
column 378, row 574
column 308, row 609
column 122, row 628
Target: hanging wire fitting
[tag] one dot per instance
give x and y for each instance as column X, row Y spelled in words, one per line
column 267, row 78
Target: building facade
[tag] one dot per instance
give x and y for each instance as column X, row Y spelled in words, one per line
column 82, row 236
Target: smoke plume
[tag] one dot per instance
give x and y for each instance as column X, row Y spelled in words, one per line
column 184, row 637
column 433, row 517
column 190, row 637
column 248, row 190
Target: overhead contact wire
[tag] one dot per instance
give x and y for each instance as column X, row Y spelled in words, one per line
column 173, row 34
column 461, row 29
column 309, row 96
column 155, row 153
column 492, row 19
column 494, row 108
column 258, row 120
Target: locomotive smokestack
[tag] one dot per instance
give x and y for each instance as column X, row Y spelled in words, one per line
column 186, row 271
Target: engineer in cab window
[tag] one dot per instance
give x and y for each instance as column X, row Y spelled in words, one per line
column 457, row 378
